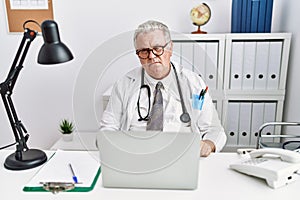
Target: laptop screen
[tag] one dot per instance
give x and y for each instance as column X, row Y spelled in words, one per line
column 148, row 159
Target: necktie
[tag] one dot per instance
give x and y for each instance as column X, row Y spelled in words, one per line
column 156, row 116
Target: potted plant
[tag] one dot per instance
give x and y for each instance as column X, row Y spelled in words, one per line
column 66, row 128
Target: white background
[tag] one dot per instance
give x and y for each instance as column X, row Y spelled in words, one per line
column 43, row 95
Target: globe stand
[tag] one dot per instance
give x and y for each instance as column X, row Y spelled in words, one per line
column 199, row 31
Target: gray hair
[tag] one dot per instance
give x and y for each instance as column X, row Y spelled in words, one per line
column 150, row 26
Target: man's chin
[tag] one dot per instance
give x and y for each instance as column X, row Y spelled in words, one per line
column 156, row 70
column 158, row 74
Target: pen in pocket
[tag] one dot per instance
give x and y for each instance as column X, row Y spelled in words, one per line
column 202, row 93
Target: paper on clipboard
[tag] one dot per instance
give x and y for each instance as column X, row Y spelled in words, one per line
column 85, row 165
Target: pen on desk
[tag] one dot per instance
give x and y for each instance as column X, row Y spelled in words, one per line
column 73, row 174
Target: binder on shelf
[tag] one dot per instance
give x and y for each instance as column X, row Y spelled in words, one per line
column 254, row 15
column 256, row 121
column 56, row 169
column 176, row 56
column 200, row 58
column 236, row 16
column 237, row 56
column 269, row 12
column 261, row 65
column 187, row 55
column 262, row 16
column 244, row 123
column 211, row 75
column 248, row 15
column 269, row 116
column 248, row 65
column 244, row 15
column 232, row 127
column 274, row 65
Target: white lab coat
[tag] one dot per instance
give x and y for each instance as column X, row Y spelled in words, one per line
column 119, row 111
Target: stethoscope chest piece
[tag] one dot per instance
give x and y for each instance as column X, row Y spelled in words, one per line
column 185, row 117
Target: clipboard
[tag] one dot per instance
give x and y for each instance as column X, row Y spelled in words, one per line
column 86, row 166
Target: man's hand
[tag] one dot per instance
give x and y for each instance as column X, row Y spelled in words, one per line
column 206, row 147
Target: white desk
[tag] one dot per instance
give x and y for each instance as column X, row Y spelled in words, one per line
column 216, row 182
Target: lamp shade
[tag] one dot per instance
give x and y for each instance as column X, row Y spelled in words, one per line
column 53, row 51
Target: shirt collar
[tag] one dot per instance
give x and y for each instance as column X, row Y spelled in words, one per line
column 165, row 81
column 169, row 82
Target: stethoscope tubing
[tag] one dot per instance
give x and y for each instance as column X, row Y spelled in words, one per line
column 184, row 117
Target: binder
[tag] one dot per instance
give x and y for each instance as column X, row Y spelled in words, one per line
column 262, row 16
column 236, row 16
column 261, row 65
column 256, row 121
column 274, row 65
column 244, row 16
column 254, row 15
column 85, row 165
column 244, row 123
column 269, row 116
column 176, row 56
column 248, row 65
column 269, row 11
column 187, row 55
column 232, row 125
column 236, row 65
column 199, row 58
column 248, row 15
column 211, row 65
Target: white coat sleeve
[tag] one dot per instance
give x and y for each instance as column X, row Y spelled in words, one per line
column 111, row 118
column 210, row 126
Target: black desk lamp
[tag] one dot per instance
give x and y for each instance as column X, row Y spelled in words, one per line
column 53, row 51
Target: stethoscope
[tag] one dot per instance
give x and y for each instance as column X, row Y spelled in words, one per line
column 184, row 117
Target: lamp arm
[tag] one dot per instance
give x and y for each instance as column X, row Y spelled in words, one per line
column 19, row 59
column 6, row 90
column 16, row 125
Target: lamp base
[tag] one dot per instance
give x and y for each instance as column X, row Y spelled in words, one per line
column 30, row 159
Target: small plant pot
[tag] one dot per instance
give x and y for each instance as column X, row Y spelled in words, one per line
column 68, row 137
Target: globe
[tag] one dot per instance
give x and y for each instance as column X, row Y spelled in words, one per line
column 200, row 15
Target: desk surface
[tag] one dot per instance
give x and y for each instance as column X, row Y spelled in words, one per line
column 216, row 181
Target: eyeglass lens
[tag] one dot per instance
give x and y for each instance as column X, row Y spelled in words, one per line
column 157, row 51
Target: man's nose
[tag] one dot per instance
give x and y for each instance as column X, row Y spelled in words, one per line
column 151, row 54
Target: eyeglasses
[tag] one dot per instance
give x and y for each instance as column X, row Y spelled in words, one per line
column 145, row 53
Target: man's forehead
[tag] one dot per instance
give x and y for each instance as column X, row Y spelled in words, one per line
column 151, row 38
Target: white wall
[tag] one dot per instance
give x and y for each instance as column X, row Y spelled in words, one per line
column 290, row 23
column 43, row 95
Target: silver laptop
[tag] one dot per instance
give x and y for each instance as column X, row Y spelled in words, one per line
column 146, row 159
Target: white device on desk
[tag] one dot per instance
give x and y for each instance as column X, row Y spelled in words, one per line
column 146, row 159
column 278, row 166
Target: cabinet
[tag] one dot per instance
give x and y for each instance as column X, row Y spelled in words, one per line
column 246, row 74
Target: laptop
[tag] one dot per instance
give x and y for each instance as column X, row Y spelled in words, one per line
column 149, row 159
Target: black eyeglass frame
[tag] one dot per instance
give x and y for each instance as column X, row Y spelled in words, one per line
column 152, row 50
